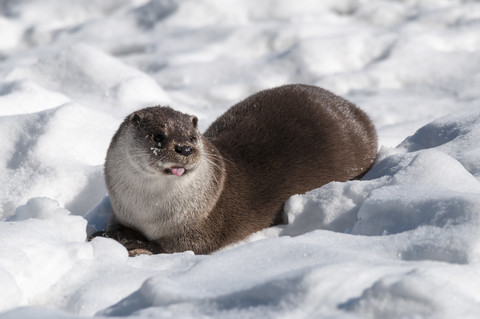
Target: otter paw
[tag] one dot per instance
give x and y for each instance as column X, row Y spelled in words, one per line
column 135, row 243
column 140, row 246
column 139, row 251
column 97, row 234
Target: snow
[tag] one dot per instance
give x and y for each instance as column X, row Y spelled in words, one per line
column 403, row 242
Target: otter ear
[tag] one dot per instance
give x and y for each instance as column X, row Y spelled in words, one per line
column 194, row 120
column 136, row 117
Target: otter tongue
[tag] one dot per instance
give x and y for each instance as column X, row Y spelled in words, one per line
column 177, row 171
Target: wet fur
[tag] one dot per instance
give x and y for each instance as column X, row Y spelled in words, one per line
column 276, row 143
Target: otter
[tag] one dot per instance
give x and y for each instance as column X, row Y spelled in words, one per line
column 173, row 189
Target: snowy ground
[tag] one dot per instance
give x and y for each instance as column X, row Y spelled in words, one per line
column 404, row 242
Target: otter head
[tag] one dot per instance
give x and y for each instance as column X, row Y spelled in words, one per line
column 169, row 139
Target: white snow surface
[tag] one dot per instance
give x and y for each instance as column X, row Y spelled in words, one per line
column 403, row 242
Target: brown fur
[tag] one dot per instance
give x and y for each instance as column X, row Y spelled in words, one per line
column 276, row 143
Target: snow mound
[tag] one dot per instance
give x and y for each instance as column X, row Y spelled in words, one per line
column 57, row 153
column 36, row 262
column 420, row 186
column 82, row 72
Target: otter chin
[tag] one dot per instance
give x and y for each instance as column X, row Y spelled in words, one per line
column 174, row 189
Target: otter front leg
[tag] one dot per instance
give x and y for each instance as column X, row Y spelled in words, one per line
column 135, row 243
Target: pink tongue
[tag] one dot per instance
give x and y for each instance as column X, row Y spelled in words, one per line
column 177, row 171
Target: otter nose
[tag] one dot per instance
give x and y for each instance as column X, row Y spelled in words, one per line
column 183, row 150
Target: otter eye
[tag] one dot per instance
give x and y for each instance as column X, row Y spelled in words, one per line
column 159, row 137
column 192, row 138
